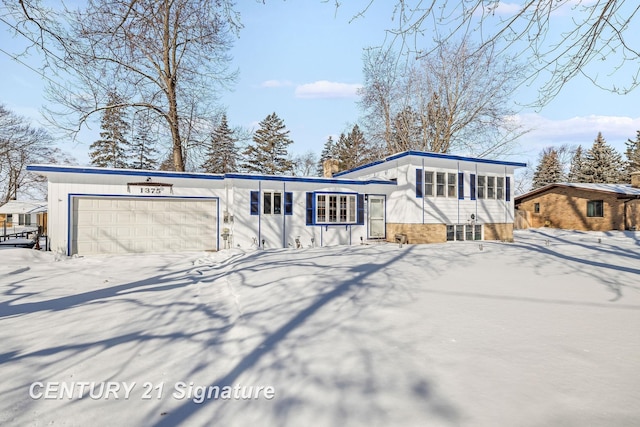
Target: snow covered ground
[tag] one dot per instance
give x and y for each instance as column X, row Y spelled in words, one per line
column 542, row 331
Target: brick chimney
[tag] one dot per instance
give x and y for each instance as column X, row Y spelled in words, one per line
column 329, row 167
column 635, row 179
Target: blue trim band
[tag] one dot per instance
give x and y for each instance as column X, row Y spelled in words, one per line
column 128, row 172
column 191, row 175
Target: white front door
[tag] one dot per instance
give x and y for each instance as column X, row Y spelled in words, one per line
column 376, row 217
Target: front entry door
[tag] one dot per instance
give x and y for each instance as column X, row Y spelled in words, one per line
column 376, row 217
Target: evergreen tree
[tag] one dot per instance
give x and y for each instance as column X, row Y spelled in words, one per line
column 633, row 156
column 269, row 154
column 327, row 153
column 549, row 170
column 222, row 155
column 576, row 170
column 602, row 164
column 353, row 149
column 112, row 147
column 144, row 155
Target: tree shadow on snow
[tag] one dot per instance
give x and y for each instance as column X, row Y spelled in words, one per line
column 285, row 349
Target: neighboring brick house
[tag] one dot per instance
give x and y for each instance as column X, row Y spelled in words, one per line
column 577, row 206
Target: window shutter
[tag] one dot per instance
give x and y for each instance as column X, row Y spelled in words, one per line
column 473, row 186
column 419, row 183
column 360, row 209
column 309, row 208
column 255, row 203
column 507, row 191
column 460, row 185
column 288, row 203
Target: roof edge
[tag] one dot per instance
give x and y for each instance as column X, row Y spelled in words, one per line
column 432, row 155
column 198, row 175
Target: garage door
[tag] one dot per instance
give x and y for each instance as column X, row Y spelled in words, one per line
column 111, row 225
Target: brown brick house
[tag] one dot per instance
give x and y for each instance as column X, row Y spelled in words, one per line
column 577, row 206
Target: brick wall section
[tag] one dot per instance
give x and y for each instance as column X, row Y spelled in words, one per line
column 498, row 232
column 562, row 207
column 418, row 233
column 437, row 233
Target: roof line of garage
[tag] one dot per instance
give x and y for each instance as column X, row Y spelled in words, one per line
column 188, row 175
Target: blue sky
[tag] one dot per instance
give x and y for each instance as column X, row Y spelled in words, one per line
column 303, row 60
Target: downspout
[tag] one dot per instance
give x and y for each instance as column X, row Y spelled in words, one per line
column 423, row 191
column 284, row 215
column 259, row 214
column 476, row 195
column 458, row 185
column 507, row 205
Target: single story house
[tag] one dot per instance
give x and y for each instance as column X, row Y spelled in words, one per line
column 23, row 213
column 424, row 196
column 585, row 207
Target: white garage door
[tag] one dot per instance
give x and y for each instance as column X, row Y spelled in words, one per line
column 111, row 225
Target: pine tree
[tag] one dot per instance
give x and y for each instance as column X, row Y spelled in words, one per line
column 353, row 149
column 326, row 154
column 633, row 156
column 269, row 154
column 602, row 164
column 576, row 170
column 144, row 155
column 112, row 147
column 222, row 154
column 549, row 170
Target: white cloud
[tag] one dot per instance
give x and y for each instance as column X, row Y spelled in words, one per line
column 326, row 89
column 579, row 130
column 276, row 83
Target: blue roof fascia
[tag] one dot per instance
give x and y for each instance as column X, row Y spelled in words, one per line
column 129, row 172
column 318, row 180
column 436, row 156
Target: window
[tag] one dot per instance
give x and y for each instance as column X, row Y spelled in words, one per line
column 500, row 188
column 491, row 187
column 477, row 232
column 272, row 203
column 24, row 219
column 336, row 209
column 595, row 208
column 428, row 183
column 321, row 208
column 461, row 232
column 440, row 184
column 450, row 233
column 451, row 185
column 469, row 232
column 482, row 186
column 536, row 207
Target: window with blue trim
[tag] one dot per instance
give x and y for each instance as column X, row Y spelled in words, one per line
column 334, row 208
